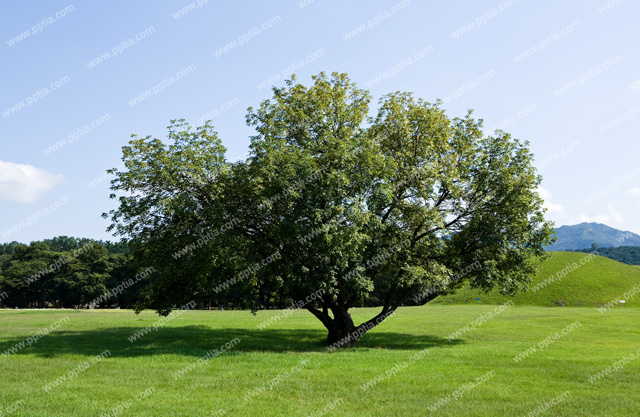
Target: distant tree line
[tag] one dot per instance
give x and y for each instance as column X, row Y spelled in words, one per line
column 66, row 272
column 70, row 272
column 625, row 254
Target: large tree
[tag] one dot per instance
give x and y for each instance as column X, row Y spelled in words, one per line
column 403, row 206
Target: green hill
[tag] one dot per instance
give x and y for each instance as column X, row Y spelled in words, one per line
column 590, row 281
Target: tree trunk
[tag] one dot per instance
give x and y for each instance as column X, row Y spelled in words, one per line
column 342, row 331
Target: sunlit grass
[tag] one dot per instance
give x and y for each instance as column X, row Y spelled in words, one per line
column 263, row 357
column 567, row 278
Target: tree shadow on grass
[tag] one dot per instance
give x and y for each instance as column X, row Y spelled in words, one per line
column 196, row 341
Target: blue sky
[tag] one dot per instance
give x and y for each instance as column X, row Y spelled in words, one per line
column 78, row 78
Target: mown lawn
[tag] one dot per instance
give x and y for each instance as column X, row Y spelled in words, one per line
column 306, row 379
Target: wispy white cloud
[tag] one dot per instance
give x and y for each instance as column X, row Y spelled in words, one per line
column 635, row 86
column 552, row 208
column 634, row 191
column 25, row 183
column 612, row 218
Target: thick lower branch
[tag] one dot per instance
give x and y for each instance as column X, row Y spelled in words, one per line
column 323, row 316
column 373, row 322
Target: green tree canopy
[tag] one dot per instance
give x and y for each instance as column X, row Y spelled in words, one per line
column 402, row 206
column 66, row 272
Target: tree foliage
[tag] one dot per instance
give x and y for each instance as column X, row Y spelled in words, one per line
column 65, row 272
column 390, row 207
column 625, row 254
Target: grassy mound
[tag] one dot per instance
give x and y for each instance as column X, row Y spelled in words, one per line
column 569, row 279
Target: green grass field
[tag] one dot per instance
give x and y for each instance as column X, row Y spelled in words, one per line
column 589, row 282
column 285, row 370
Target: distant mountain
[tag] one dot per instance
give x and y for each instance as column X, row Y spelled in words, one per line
column 581, row 236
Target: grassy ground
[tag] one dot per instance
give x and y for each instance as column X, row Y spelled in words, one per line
column 306, row 379
column 567, row 278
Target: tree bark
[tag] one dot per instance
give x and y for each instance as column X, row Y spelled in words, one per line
column 342, row 331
